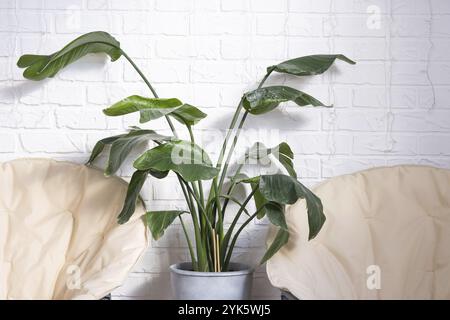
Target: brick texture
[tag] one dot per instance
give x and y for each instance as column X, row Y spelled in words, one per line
column 393, row 107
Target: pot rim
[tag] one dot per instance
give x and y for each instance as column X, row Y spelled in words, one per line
column 242, row 269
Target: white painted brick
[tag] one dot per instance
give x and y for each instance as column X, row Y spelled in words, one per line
column 7, row 142
column 25, row 117
column 422, row 121
column 359, row 6
column 223, row 23
column 217, row 72
column 313, row 6
column 439, row 26
column 410, row 7
column 410, row 49
column 25, row 22
column 361, row 49
column 160, row 71
column 409, row 73
column 174, row 5
column 384, row 144
column 191, row 47
column 304, row 25
column 80, row 118
column 271, row 24
column 7, row 4
column 336, row 167
column 208, row 53
column 440, row 6
column 75, row 21
column 66, row 94
column 235, row 5
column 435, row 145
column 319, row 144
column 356, row 26
column 120, row 4
column 362, row 73
column 355, row 120
column 407, row 26
column 152, row 23
column 439, row 73
column 235, row 48
column 168, row 189
column 268, row 5
column 53, row 142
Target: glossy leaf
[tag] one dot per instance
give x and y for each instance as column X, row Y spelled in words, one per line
column 309, row 65
column 39, row 67
column 280, row 240
column 150, row 108
column 100, row 145
column 134, row 187
column 187, row 114
column 275, row 213
column 266, row 99
column 282, row 153
column 122, row 146
column 183, row 157
column 287, row 190
column 158, row 221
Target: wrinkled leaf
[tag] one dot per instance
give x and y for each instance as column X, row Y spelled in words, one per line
column 100, row 145
column 282, row 153
column 275, row 213
column 280, row 240
column 187, row 114
column 158, row 221
column 134, row 187
column 122, row 146
column 287, row 190
column 150, row 108
column 39, row 67
column 266, row 99
column 309, row 65
column 183, row 157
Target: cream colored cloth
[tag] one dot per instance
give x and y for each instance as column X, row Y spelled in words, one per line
column 58, row 233
column 392, row 223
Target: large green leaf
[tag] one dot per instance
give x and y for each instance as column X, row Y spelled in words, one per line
column 309, row 65
column 150, row 108
column 154, row 108
column 280, row 240
column 158, row 221
column 134, row 187
column 122, row 146
column 275, row 213
column 284, row 189
column 188, row 114
column 266, row 99
column 39, row 67
column 281, row 152
column 183, row 157
column 100, row 145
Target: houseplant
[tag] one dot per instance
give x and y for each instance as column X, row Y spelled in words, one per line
column 213, row 243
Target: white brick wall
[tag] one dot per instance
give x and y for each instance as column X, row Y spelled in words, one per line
column 393, row 107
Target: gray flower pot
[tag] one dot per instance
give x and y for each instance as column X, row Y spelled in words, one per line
column 193, row 285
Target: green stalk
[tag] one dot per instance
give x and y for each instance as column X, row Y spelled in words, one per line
column 236, row 236
column 236, row 219
column 191, row 250
column 197, row 233
column 231, row 188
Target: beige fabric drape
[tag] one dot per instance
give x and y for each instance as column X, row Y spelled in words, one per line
column 396, row 219
column 58, row 233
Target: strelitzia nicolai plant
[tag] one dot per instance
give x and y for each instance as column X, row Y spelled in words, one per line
column 213, row 244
